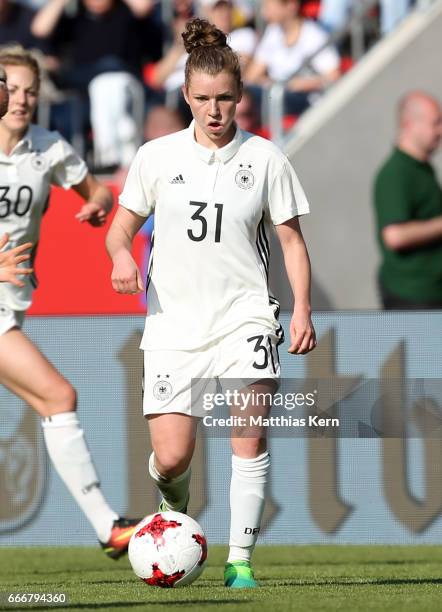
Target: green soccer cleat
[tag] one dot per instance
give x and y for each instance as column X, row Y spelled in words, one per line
column 121, row 533
column 239, row 575
column 163, row 507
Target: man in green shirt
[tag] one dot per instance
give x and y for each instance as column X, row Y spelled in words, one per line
column 408, row 203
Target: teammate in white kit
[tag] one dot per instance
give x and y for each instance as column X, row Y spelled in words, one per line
column 215, row 190
column 10, row 259
column 31, row 160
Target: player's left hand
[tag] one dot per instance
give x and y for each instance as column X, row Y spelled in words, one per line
column 92, row 213
column 302, row 333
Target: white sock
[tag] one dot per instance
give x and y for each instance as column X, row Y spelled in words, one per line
column 175, row 491
column 71, row 458
column 247, row 498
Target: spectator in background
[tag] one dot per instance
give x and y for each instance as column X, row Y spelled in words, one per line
column 243, row 12
column 161, row 121
column 106, row 37
column 334, row 13
column 247, row 115
column 408, row 203
column 169, row 71
column 15, row 26
column 183, row 9
column 288, row 41
column 241, row 40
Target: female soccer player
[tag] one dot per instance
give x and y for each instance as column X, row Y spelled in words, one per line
column 214, row 190
column 33, row 159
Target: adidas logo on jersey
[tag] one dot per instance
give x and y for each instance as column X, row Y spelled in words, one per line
column 178, row 180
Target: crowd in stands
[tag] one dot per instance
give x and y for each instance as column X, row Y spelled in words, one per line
column 103, row 59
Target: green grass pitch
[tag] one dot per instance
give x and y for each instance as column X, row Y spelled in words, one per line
column 300, row 578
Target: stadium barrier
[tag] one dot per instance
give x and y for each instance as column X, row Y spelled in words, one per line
column 373, row 483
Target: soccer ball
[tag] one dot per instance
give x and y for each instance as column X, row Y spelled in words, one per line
column 168, row 549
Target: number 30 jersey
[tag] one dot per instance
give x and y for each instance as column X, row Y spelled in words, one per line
column 208, row 270
column 39, row 160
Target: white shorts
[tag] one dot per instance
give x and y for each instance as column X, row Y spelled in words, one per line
column 249, row 354
column 10, row 318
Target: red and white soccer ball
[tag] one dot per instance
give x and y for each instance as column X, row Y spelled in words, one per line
column 168, row 549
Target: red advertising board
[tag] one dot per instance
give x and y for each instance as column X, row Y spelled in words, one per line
column 72, row 265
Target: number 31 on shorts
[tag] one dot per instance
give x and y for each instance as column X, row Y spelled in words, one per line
column 262, row 346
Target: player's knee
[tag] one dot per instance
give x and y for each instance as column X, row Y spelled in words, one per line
column 248, row 448
column 62, row 398
column 171, row 465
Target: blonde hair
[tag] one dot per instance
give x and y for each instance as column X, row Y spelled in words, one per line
column 16, row 55
column 208, row 51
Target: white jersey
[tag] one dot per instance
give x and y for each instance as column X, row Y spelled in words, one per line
column 39, row 160
column 210, row 254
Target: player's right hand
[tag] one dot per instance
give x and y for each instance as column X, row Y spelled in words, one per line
column 9, row 260
column 126, row 277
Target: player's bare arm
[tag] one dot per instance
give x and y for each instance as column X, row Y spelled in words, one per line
column 9, row 261
column 98, row 201
column 297, row 263
column 126, row 277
